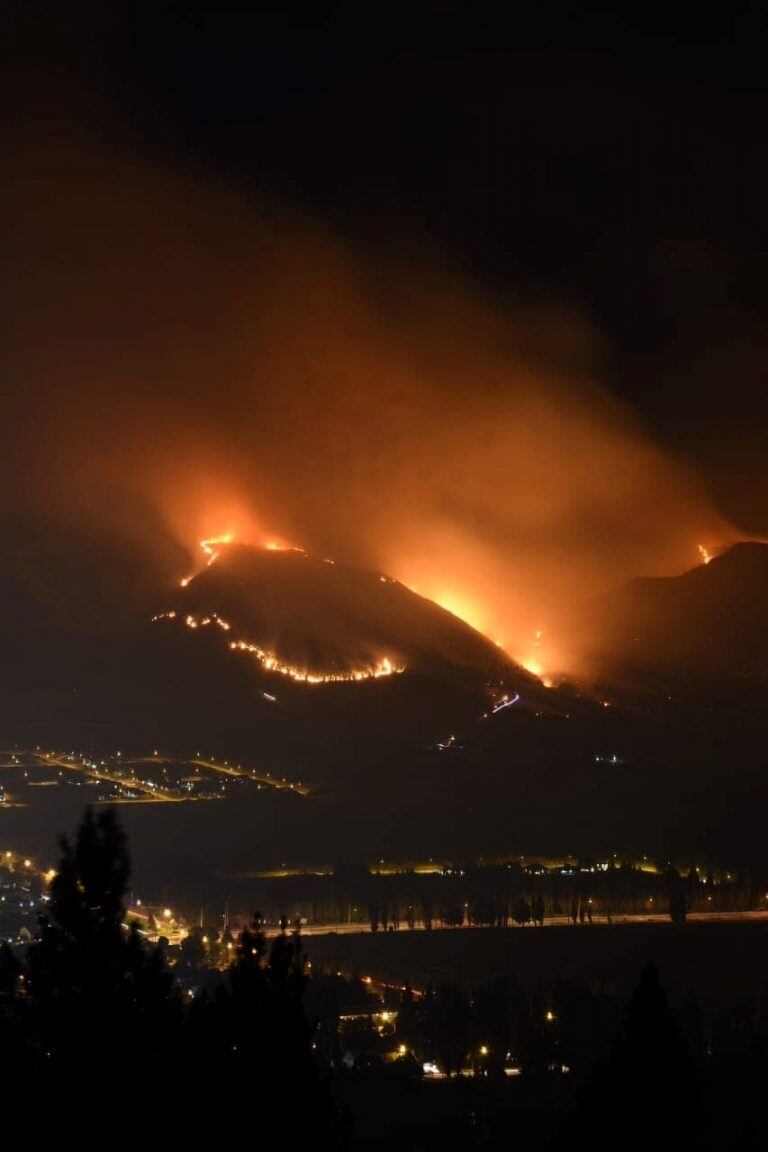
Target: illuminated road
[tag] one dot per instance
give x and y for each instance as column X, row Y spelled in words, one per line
column 124, row 774
column 148, row 791
column 598, row 921
column 226, row 769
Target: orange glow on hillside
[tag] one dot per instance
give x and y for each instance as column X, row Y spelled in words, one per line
column 212, row 547
column 461, row 605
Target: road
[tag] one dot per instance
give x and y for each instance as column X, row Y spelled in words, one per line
column 343, row 928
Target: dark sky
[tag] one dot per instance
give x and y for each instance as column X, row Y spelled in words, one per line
column 596, row 163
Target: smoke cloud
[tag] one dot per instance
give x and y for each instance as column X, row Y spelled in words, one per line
column 228, row 367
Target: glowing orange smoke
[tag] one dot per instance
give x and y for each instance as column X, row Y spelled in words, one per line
column 386, row 415
column 534, row 663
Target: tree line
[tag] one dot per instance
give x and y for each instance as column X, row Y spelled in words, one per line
column 501, row 895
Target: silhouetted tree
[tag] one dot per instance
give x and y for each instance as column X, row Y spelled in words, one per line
column 678, row 897
column 409, row 1022
column 448, row 1027
column 522, row 911
column 253, row 1036
column 645, row 1089
column 192, row 949
column 101, row 1002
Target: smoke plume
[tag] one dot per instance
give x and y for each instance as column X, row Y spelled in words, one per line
column 231, row 367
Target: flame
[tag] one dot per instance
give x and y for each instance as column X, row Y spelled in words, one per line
column 534, row 662
column 271, row 662
column 212, row 548
column 705, row 554
column 463, row 608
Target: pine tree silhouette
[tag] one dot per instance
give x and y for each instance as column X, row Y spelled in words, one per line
column 645, row 1091
column 101, row 1002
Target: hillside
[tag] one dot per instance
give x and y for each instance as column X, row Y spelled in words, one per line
column 708, row 625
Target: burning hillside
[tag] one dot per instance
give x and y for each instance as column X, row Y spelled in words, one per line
column 313, row 621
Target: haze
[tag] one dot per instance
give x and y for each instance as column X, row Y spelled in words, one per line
column 229, row 367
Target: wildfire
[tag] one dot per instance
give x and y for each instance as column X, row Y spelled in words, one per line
column 213, row 546
column 705, row 554
column 533, row 663
column 271, row 662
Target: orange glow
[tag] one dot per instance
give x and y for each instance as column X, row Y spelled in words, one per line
column 272, row 663
column 461, row 605
column 536, row 669
column 705, row 554
column 391, row 417
column 211, row 546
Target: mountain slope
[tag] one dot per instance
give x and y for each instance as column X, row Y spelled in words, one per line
column 708, row 625
column 320, row 617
